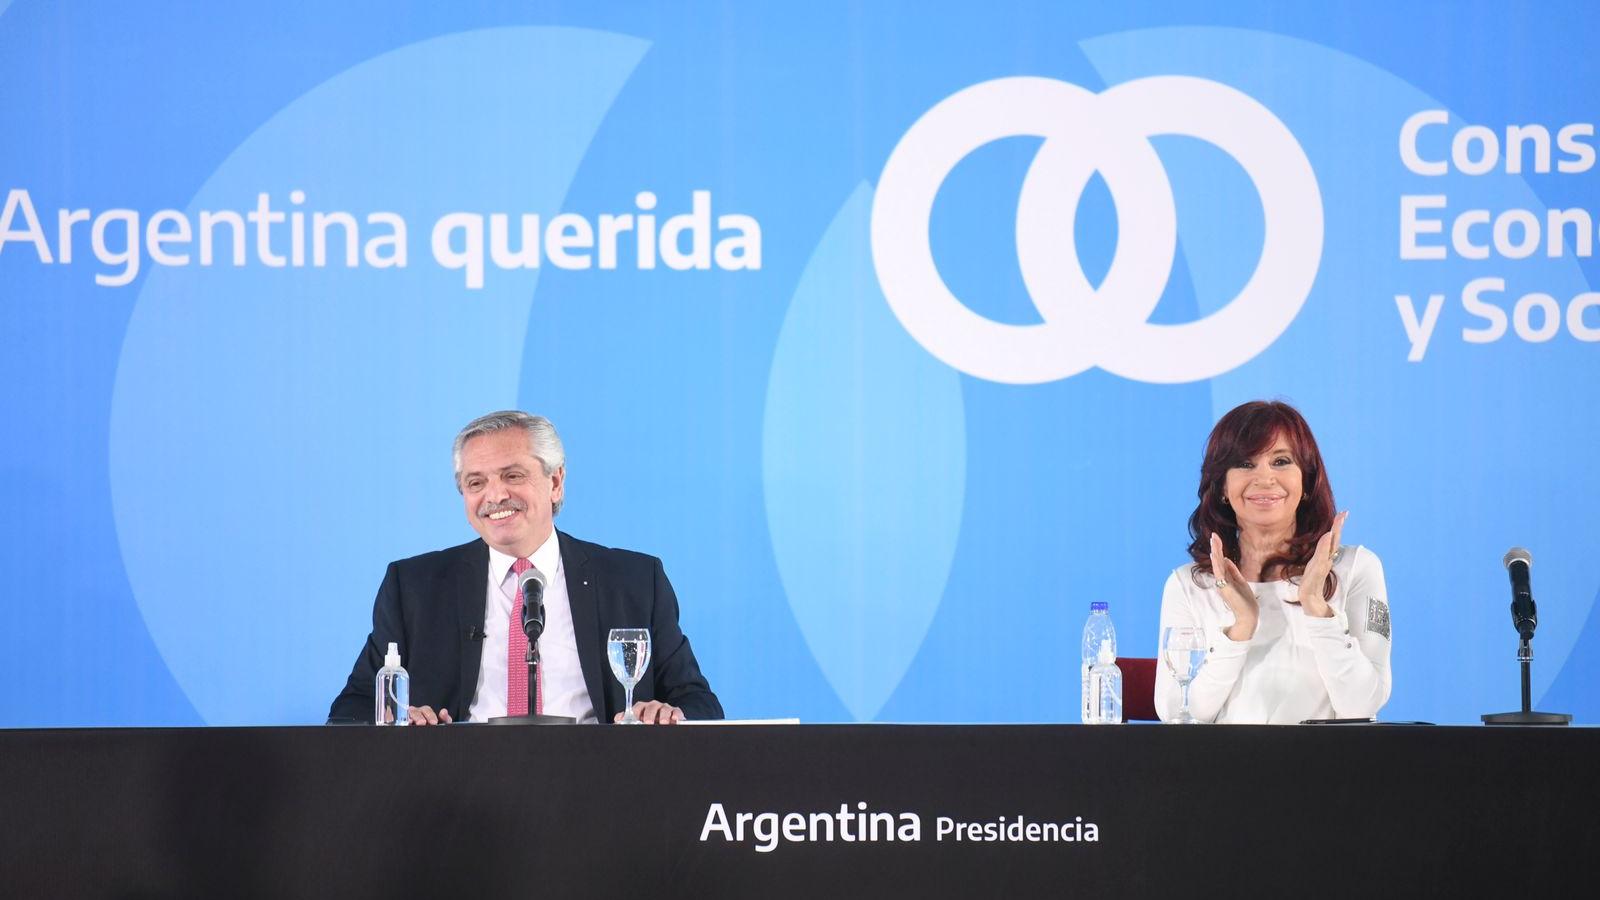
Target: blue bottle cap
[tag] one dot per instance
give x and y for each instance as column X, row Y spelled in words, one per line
column 1099, row 606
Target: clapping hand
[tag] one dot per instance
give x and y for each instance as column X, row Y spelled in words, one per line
column 1316, row 574
column 1235, row 592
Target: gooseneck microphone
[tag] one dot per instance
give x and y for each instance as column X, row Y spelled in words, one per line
column 1524, row 615
column 530, row 586
column 531, row 583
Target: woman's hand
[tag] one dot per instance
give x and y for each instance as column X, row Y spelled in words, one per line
column 1316, row 575
column 1235, row 592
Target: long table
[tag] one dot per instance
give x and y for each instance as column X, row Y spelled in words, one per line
column 799, row 811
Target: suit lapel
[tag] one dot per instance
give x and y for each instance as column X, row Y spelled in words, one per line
column 581, row 593
column 469, row 582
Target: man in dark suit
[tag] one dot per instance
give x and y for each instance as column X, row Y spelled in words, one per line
column 456, row 614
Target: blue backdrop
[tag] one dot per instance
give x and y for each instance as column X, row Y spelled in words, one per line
column 896, row 329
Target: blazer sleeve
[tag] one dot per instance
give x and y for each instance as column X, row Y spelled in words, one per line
column 355, row 702
column 677, row 678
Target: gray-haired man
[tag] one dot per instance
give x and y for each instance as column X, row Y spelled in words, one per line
column 451, row 611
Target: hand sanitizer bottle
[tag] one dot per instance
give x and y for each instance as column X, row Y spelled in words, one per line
column 392, row 696
column 1105, row 688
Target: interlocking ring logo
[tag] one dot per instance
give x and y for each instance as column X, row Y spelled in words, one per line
column 1084, row 133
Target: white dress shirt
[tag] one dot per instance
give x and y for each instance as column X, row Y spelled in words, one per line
column 1295, row 666
column 565, row 693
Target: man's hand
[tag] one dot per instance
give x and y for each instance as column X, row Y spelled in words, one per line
column 655, row 713
column 423, row 715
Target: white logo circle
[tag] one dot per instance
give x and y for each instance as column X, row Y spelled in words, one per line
column 1084, row 133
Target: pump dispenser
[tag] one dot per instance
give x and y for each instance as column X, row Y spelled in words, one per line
column 1105, row 687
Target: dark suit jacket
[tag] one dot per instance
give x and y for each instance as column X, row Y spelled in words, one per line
column 432, row 606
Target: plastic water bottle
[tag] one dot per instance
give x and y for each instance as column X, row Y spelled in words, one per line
column 1096, row 632
column 392, row 696
column 1105, row 688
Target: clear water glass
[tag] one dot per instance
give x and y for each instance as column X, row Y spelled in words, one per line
column 629, row 652
column 1183, row 649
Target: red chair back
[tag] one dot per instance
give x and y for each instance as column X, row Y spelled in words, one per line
column 1138, row 689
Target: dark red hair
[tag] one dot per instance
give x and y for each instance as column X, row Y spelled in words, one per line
column 1243, row 433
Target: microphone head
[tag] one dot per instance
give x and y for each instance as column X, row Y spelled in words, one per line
column 1518, row 554
column 531, row 574
column 531, row 585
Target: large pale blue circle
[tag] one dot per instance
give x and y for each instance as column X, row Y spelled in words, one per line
column 1432, row 458
column 276, row 433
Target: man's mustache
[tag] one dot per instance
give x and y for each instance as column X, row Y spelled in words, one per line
column 489, row 509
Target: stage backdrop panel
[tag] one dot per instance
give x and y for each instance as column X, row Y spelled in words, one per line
column 895, row 329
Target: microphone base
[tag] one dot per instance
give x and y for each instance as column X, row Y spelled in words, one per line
column 538, row 720
column 1527, row 718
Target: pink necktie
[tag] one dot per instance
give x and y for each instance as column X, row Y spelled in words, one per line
column 516, row 651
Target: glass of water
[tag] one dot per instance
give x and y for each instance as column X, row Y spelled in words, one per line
column 1183, row 649
column 629, row 652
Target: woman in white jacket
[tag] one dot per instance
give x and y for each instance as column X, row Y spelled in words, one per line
column 1297, row 625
